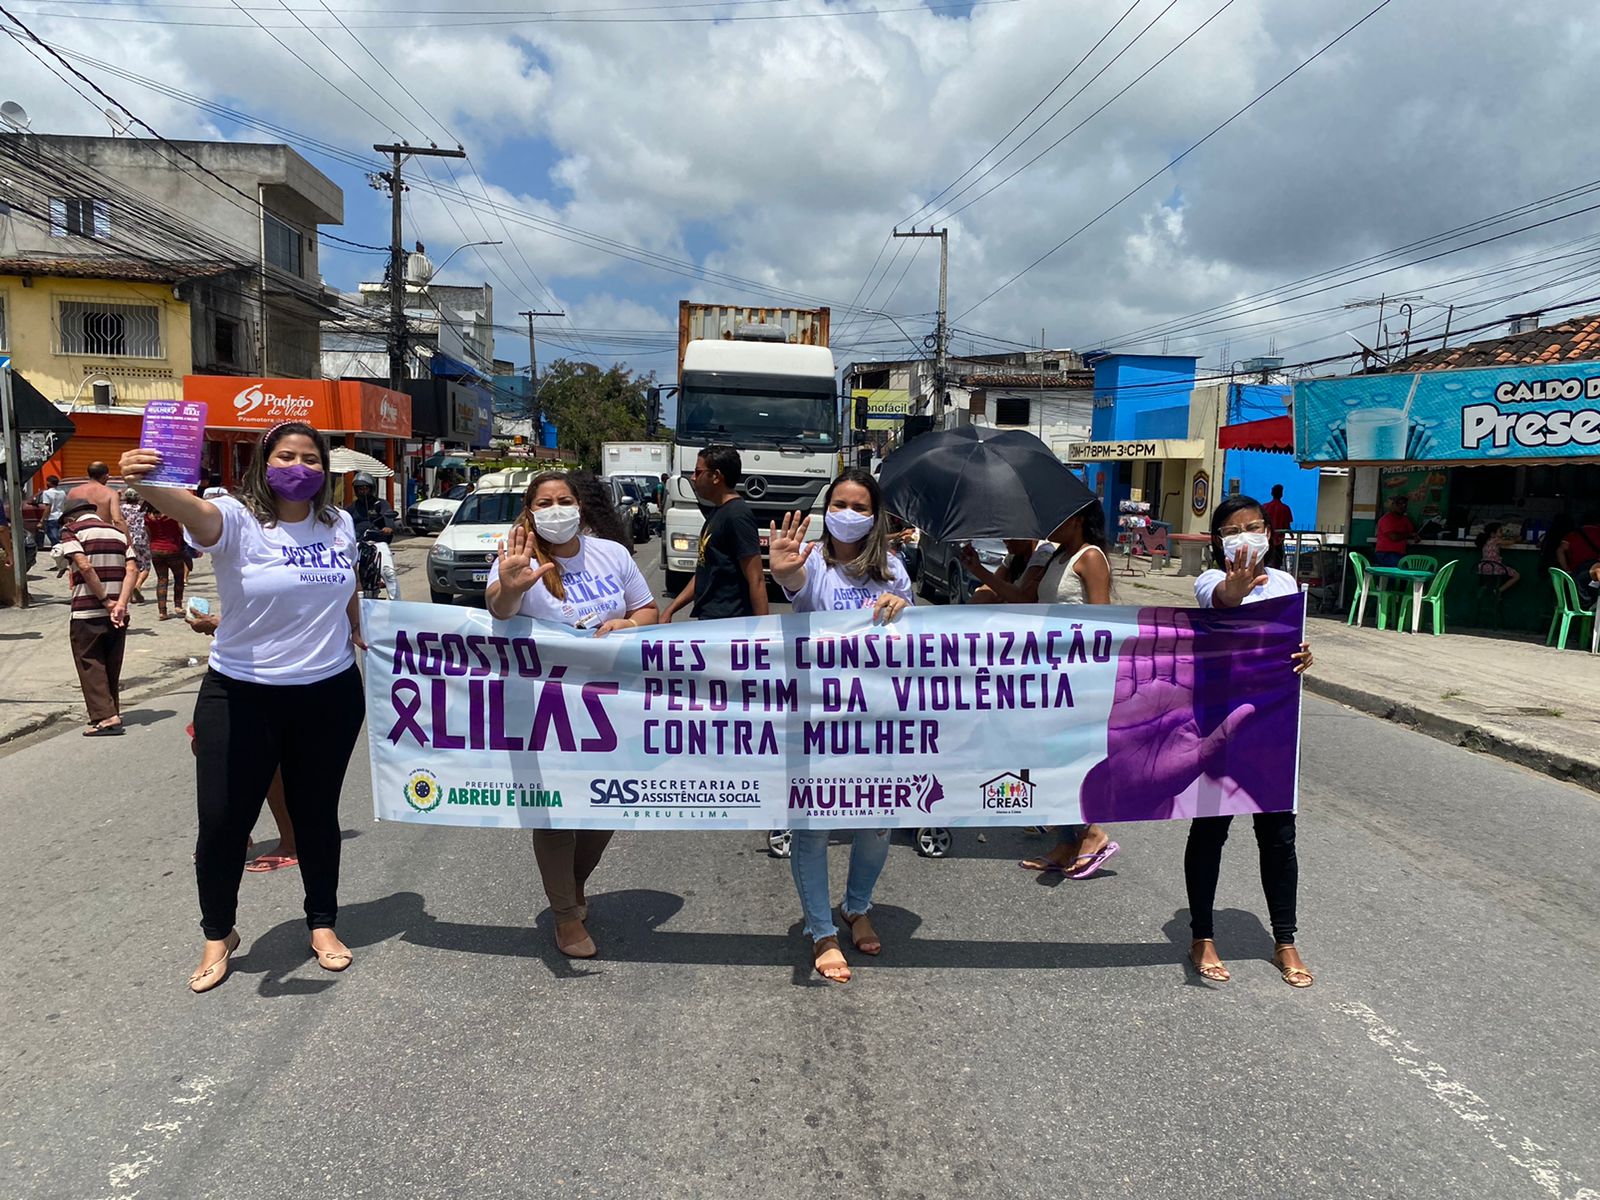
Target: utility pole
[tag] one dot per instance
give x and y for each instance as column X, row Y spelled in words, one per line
column 533, row 358
column 397, row 251
column 941, row 335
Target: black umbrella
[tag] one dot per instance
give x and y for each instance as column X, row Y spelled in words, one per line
column 978, row 482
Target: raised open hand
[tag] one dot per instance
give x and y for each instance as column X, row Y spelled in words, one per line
column 519, row 568
column 1240, row 577
column 788, row 547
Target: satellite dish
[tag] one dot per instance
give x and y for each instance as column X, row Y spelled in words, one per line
column 15, row 116
column 118, row 123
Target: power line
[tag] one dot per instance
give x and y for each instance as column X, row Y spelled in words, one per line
column 1383, row 4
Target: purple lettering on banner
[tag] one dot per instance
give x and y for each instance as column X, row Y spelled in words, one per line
column 177, row 429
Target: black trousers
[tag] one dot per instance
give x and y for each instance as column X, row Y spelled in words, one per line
column 243, row 732
column 1280, row 871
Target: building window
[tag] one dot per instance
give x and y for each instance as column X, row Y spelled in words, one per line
column 225, row 342
column 76, row 217
column 871, row 380
column 1011, row 410
column 283, row 245
column 109, row 329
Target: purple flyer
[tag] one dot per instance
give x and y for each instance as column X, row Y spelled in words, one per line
column 177, row 428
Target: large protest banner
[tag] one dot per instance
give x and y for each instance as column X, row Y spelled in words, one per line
column 951, row 716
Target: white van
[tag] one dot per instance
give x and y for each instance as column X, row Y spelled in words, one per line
column 461, row 559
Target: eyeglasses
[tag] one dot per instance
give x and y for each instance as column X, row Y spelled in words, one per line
column 696, row 473
column 1236, row 530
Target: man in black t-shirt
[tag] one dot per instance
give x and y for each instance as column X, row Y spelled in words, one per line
column 728, row 581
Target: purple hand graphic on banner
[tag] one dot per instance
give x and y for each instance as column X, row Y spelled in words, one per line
column 1204, row 718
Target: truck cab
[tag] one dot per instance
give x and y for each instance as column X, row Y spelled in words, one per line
column 777, row 404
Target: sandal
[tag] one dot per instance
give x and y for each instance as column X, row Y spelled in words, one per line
column 862, row 935
column 333, row 960
column 835, row 970
column 1215, row 972
column 208, row 977
column 1295, row 977
column 263, row 863
column 103, row 731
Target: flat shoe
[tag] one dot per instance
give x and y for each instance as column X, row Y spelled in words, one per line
column 207, row 978
column 584, row 947
column 333, row 960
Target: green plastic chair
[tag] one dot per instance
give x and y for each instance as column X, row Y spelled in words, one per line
column 1434, row 596
column 1569, row 608
column 1418, row 562
column 1383, row 599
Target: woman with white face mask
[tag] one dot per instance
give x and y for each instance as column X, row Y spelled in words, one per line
column 551, row 571
column 851, row 568
column 1240, row 540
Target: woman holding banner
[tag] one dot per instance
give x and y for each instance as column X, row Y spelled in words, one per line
column 1070, row 568
column 569, row 560
column 283, row 691
column 1240, row 540
column 853, row 570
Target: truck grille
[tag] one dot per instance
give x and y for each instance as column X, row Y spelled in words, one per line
column 782, row 493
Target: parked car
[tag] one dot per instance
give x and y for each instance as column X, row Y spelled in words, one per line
column 460, row 560
column 943, row 574
column 630, row 504
column 433, row 514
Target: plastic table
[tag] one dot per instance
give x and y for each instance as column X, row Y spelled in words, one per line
column 1417, row 579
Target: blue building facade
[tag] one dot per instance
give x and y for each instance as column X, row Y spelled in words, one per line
column 1139, row 398
column 1255, row 472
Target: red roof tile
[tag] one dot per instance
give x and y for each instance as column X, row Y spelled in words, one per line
column 1578, row 338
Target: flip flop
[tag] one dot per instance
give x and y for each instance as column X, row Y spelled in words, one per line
column 1095, row 861
column 263, row 863
column 103, row 731
column 1043, row 865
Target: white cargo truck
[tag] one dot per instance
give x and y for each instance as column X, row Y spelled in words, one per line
column 762, row 381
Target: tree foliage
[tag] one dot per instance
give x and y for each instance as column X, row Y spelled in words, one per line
column 589, row 406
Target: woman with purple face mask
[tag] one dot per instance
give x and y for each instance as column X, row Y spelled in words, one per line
column 282, row 692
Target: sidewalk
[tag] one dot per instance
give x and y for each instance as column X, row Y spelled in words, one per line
column 39, row 686
column 1517, row 700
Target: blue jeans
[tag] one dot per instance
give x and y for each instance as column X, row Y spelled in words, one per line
column 52, row 529
column 1386, row 558
column 808, row 859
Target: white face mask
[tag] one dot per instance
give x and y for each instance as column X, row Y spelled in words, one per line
column 557, row 524
column 847, row 525
column 1246, row 547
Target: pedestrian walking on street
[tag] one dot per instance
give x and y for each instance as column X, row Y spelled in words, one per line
column 165, row 537
column 849, row 569
column 104, row 498
column 282, row 691
column 133, row 510
column 728, row 580
column 103, row 573
column 1240, row 541
column 1280, row 518
column 550, row 569
column 53, row 498
column 1069, row 568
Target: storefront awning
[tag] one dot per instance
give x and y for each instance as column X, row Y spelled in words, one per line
column 1274, row 434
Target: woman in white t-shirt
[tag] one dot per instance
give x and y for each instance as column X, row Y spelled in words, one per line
column 1240, row 540
column 570, row 563
column 283, row 691
column 1069, row 568
column 850, row 568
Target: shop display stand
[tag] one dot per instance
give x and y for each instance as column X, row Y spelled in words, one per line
column 1133, row 516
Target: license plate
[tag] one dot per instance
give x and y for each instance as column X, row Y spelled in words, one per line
column 480, row 577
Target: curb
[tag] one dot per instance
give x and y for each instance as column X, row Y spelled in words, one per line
column 1512, row 747
column 135, row 690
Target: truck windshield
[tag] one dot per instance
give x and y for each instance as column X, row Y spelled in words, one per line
column 747, row 415
column 489, row 508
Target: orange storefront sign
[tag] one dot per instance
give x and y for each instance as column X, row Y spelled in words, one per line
column 344, row 406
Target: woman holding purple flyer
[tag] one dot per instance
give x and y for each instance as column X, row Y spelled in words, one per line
column 1240, row 540
column 283, row 691
column 850, row 569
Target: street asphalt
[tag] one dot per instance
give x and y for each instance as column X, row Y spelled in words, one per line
column 1019, row 1036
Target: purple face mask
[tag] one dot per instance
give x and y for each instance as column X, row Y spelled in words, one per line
column 295, row 483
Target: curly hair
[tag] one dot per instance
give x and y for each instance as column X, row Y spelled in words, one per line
column 597, row 514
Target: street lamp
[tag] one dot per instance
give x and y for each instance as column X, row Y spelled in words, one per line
column 453, row 253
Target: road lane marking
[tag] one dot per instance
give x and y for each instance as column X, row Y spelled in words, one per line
column 1536, row 1161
